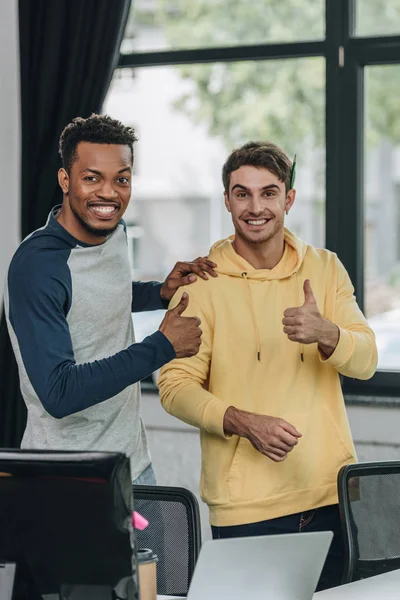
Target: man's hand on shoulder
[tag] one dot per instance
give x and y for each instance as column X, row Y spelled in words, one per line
column 272, row 436
column 305, row 324
column 185, row 273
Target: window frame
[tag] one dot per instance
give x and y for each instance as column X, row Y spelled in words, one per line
column 346, row 55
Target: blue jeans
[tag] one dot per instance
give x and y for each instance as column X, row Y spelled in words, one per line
column 147, row 477
column 326, row 518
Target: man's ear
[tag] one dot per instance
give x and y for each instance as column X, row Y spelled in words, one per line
column 228, row 206
column 63, row 180
column 290, row 198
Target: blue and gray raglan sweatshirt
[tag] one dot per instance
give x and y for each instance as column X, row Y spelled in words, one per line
column 68, row 307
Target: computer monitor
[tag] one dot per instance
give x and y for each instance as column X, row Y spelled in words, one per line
column 65, row 520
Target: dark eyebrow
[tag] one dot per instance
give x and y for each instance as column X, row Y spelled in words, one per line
column 241, row 187
column 96, row 172
column 271, row 187
column 266, row 187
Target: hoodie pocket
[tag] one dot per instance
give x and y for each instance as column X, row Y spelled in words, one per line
column 325, row 451
column 253, row 476
column 313, row 462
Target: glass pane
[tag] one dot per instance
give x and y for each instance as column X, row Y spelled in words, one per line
column 377, row 17
column 175, row 24
column 188, row 119
column 382, row 211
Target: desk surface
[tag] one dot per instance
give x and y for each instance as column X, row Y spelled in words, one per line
column 381, row 587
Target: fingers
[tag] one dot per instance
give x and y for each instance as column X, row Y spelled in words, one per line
column 291, row 312
column 210, row 268
column 290, row 330
column 276, row 457
column 283, row 441
column 285, row 446
column 291, row 321
column 206, row 260
column 190, row 278
column 290, row 428
column 196, row 322
column 201, row 267
column 182, row 305
column 198, row 269
column 291, row 327
column 294, row 338
column 289, row 440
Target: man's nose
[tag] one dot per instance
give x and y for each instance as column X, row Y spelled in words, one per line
column 107, row 191
column 256, row 206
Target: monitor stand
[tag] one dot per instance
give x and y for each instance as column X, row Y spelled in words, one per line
column 7, row 578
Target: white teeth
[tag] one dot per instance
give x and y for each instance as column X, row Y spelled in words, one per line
column 104, row 210
column 257, row 222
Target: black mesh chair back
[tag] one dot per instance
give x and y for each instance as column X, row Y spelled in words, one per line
column 173, row 534
column 369, row 502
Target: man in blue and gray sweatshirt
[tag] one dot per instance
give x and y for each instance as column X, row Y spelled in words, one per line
column 69, row 298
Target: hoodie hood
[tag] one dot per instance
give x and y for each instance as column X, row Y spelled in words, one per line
column 230, row 263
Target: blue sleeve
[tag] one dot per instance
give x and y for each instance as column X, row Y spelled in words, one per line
column 39, row 299
column 146, row 296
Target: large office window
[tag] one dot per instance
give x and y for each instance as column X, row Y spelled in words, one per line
column 188, row 119
column 382, row 210
column 318, row 77
column 177, row 24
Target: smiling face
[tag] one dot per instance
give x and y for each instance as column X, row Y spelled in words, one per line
column 96, row 191
column 257, row 201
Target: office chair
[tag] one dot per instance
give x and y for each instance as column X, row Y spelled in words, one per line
column 174, row 534
column 369, row 503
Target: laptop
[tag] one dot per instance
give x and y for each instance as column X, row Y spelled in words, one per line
column 273, row 567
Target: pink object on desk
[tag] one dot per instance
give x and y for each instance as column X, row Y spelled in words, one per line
column 139, row 522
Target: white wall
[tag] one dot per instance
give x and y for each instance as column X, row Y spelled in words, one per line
column 9, row 135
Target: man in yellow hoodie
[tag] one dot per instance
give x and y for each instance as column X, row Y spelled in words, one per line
column 280, row 324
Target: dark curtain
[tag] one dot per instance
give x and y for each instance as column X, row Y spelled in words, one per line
column 68, row 52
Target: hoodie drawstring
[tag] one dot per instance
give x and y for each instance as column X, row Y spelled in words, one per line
column 298, row 302
column 253, row 316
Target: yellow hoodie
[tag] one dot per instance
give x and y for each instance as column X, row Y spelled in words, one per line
column 246, row 360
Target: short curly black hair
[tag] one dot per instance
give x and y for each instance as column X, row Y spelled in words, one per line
column 96, row 129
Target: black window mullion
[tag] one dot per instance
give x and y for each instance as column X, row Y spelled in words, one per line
column 376, row 51
column 334, row 76
column 223, row 54
column 344, row 130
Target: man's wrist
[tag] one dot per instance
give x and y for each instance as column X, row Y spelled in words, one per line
column 164, row 295
column 236, row 422
column 329, row 338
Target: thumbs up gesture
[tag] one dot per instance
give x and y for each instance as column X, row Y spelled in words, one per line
column 184, row 333
column 304, row 324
